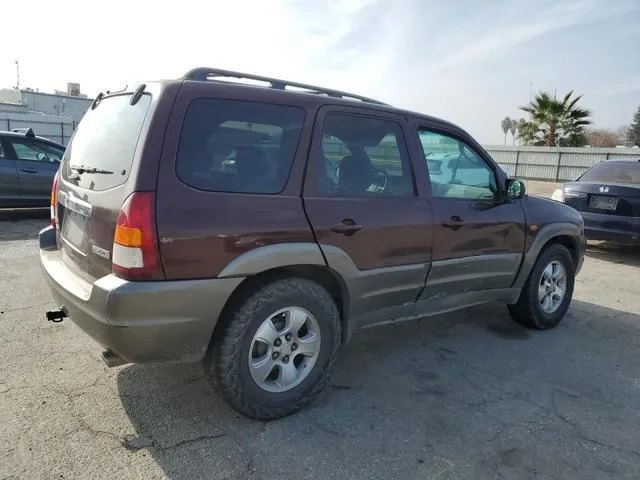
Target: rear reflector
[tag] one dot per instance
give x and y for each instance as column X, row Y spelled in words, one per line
column 135, row 251
column 54, row 199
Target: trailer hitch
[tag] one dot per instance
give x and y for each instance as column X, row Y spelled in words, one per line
column 56, row 316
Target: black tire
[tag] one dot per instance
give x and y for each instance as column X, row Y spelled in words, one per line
column 227, row 364
column 528, row 311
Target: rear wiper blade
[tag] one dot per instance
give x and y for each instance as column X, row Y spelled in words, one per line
column 82, row 169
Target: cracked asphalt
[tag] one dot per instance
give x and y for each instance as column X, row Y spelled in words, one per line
column 469, row 395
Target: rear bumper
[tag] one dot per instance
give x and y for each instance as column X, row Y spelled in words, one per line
column 611, row 228
column 142, row 322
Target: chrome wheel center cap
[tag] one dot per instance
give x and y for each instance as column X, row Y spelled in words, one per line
column 285, row 349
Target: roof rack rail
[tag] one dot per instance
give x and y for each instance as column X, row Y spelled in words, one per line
column 203, row 74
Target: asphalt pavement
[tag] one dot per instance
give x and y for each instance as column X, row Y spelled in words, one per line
column 468, row 395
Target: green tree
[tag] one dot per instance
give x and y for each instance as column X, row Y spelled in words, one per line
column 526, row 132
column 506, row 125
column 557, row 122
column 633, row 134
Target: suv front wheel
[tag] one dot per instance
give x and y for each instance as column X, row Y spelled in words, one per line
column 546, row 295
column 276, row 351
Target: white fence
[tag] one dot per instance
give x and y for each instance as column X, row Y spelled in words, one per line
column 58, row 129
column 552, row 163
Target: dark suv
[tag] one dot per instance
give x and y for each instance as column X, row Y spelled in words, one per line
column 256, row 228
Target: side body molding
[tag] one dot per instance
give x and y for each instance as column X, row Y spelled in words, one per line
column 377, row 295
column 543, row 236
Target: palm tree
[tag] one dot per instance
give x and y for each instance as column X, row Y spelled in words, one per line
column 506, row 125
column 557, row 122
column 526, row 131
column 513, row 128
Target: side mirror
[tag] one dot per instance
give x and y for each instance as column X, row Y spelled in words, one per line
column 515, row 189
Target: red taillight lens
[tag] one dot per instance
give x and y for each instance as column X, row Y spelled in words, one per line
column 54, row 200
column 135, row 250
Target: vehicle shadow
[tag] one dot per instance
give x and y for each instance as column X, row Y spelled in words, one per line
column 614, row 253
column 16, row 214
column 22, row 224
column 470, row 394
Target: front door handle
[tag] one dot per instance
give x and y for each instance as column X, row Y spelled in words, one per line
column 454, row 223
column 347, row 227
column 29, row 170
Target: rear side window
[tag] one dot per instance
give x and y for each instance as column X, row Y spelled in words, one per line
column 613, row 172
column 238, row 146
column 106, row 140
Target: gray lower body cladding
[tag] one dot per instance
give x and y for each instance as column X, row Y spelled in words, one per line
column 141, row 322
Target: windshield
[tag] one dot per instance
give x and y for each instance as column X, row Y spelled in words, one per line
column 106, row 140
column 613, row 172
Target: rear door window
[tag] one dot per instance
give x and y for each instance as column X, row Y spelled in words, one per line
column 106, row 140
column 364, row 156
column 238, row 146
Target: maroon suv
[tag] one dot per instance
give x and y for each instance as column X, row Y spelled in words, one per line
column 256, row 228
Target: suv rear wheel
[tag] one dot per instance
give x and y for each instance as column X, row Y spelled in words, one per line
column 546, row 295
column 276, row 351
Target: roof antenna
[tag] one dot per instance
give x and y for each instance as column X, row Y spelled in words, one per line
column 17, row 74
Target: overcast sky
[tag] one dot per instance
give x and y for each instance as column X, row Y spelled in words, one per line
column 468, row 61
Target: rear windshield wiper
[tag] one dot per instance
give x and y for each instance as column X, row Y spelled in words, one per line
column 80, row 169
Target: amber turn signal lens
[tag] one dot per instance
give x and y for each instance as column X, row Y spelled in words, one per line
column 128, row 236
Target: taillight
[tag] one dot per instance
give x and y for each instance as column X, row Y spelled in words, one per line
column 54, row 200
column 135, row 251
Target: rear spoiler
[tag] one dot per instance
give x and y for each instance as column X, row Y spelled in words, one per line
column 28, row 132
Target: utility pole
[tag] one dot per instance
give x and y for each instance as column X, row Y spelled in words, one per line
column 530, row 98
column 17, row 74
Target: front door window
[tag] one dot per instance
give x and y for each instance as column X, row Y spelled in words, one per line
column 455, row 170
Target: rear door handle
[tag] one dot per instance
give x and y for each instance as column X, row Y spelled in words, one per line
column 29, row 170
column 347, row 227
column 454, row 223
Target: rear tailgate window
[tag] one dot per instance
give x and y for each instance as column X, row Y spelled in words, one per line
column 95, row 170
column 106, row 140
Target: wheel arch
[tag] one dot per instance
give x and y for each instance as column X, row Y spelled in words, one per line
column 272, row 262
column 566, row 234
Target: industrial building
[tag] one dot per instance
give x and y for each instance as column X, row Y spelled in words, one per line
column 51, row 115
